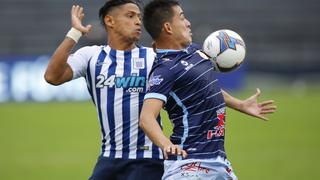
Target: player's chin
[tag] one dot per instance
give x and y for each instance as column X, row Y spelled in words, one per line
column 136, row 39
column 136, row 36
column 133, row 39
column 188, row 38
column 188, row 41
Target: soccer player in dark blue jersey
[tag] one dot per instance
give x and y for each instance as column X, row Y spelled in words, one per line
column 183, row 82
column 116, row 76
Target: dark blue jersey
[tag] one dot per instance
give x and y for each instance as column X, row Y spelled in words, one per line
column 185, row 81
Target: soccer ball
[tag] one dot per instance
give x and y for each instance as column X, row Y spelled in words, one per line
column 226, row 48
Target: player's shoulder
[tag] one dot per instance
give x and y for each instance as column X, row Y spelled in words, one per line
column 164, row 64
column 148, row 49
column 143, row 47
column 168, row 59
column 197, row 51
column 91, row 48
column 86, row 52
column 194, row 47
column 162, row 68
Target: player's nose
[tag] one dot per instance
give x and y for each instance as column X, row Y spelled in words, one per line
column 188, row 24
column 138, row 21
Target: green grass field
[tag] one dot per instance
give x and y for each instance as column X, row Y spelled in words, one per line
column 44, row 141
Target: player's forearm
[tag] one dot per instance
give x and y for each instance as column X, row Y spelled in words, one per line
column 231, row 101
column 152, row 129
column 57, row 72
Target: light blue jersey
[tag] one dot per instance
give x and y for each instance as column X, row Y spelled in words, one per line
column 116, row 81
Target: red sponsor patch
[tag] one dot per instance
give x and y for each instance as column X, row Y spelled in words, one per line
column 219, row 129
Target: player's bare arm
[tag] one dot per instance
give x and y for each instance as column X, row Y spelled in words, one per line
column 148, row 123
column 251, row 106
column 58, row 71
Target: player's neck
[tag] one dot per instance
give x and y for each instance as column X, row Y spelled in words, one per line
column 167, row 44
column 119, row 44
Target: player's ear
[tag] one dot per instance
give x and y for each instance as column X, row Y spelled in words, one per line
column 109, row 21
column 167, row 27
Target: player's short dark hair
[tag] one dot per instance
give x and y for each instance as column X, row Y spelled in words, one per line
column 156, row 13
column 111, row 4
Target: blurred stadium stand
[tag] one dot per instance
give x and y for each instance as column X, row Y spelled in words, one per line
column 282, row 37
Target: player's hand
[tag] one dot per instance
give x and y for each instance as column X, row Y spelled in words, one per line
column 174, row 150
column 252, row 107
column 76, row 19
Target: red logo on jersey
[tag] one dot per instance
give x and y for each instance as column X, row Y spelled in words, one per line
column 194, row 167
column 219, row 129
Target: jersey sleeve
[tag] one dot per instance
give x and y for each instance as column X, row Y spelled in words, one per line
column 160, row 83
column 78, row 61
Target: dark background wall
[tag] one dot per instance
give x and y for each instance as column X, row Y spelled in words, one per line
column 282, row 37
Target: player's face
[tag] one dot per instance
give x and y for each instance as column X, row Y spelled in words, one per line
column 181, row 27
column 127, row 22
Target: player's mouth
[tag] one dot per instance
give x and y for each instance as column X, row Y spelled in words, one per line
column 190, row 32
column 139, row 31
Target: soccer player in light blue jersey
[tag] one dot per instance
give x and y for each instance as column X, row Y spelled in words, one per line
column 116, row 76
column 183, row 81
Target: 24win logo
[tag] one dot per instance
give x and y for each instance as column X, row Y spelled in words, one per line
column 131, row 83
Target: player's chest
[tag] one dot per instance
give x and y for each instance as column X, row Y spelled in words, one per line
column 195, row 69
column 129, row 74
